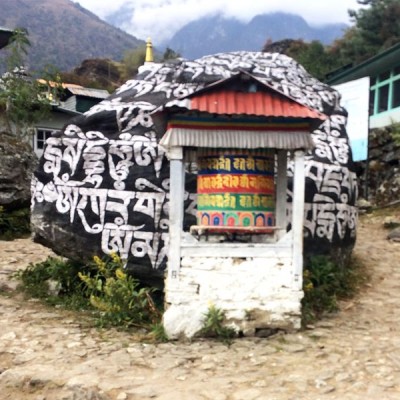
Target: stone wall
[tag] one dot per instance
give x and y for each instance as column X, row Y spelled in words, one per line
column 254, row 292
column 17, row 163
column 383, row 178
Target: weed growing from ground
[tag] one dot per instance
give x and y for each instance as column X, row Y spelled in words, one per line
column 55, row 281
column 158, row 333
column 214, row 325
column 14, row 224
column 325, row 283
column 118, row 297
column 114, row 298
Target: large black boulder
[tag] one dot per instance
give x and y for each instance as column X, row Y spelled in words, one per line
column 102, row 183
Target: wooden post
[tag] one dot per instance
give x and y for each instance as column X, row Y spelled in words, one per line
column 298, row 216
column 176, row 201
column 281, row 189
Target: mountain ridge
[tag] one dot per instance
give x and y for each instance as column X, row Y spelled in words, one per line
column 219, row 34
column 63, row 33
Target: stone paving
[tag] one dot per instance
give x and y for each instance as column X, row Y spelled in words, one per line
column 48, row 354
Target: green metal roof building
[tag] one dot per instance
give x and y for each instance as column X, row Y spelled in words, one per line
column 384, row 73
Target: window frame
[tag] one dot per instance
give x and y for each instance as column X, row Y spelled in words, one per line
column 381, row 81
column 39, row 143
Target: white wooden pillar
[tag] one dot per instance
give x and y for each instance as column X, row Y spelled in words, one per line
column 298, row 216
column 176, row 202
column 281, row 189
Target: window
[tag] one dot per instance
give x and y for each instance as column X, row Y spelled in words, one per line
column 41, row 136
column 396, row 94
column 385, row 91
column 371, row 101
column 39, row 140
column 383, row 98
column 384, row 77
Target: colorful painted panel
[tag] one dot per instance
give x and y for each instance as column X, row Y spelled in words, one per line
column 236, row 188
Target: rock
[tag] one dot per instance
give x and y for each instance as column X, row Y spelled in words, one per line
column 328, row 389
column 214, row 395
column 343, row 376
column 294, row 348
column 320, row 383
column 53, row 287
column 8, row 336
column 18, row 161
column 192, row 318
column 364, row 204
column 391, row 223
column 248, row 394
column 383, row 165
column 102, row 183
column 394, row 235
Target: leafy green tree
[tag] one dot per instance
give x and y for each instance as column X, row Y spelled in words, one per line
column 170, row 54
column 22, row 102
column 376, row 28
column 313, row 56
column 18, row 48
column 133, row 59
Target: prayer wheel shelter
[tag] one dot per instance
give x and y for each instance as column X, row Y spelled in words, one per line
column 238, row 134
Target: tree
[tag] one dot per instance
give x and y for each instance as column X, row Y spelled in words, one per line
column 313, row 56
column 376, row 28
column 170, row 54
column 22, row 102
column 133, row 59
column 18, row 48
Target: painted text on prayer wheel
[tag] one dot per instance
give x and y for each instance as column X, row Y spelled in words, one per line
column 236, row 188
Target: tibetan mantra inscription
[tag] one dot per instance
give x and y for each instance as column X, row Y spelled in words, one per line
column 102, row 184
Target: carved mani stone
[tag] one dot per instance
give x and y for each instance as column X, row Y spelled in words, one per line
column 102, row 184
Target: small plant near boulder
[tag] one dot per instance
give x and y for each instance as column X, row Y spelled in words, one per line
column 14, row 224
column 55, row 281
column 119, row 297
column 158, row 333
column 325, row 283
column 114, row 298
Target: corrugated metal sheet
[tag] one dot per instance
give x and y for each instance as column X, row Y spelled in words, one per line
column 236, row 139
column 70, row 104
column 88, row 92
column 57, row 84
column 263, row 103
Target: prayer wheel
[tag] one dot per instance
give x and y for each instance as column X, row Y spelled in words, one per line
column 236, row 189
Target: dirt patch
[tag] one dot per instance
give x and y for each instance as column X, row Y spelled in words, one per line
column 355, row 354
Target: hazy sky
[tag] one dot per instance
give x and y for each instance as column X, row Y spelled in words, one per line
column 160, row 19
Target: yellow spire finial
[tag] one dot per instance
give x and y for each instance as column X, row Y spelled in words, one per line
column 149, row 51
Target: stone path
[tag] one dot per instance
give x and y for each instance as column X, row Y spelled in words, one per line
column 52, row 355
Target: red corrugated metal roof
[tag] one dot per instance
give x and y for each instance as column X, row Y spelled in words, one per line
column 262, row 103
